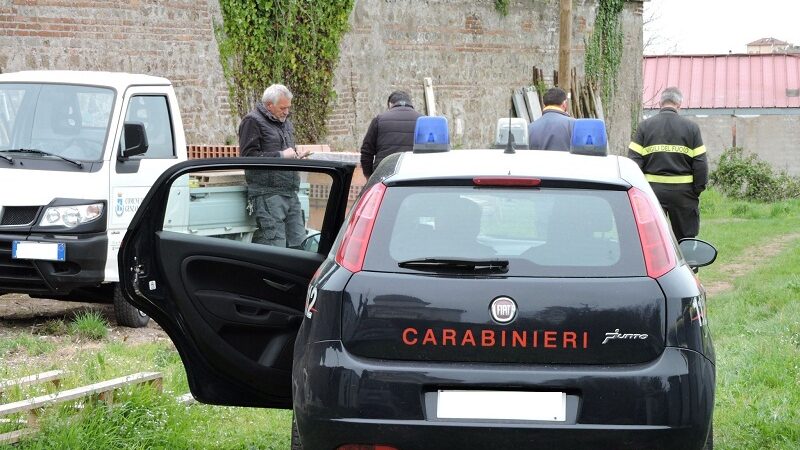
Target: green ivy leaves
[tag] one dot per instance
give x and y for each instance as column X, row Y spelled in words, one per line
column 604, row 49
column 293, row 42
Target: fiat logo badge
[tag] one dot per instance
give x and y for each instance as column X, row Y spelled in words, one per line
column 503, row 310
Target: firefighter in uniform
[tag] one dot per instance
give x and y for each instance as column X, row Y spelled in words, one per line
column 669, row 150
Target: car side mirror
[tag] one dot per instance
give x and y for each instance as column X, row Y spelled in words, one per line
column 311, row 243
column 697, row 253
column 135, row 138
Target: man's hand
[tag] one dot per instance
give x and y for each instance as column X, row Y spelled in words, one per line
column 294, row 154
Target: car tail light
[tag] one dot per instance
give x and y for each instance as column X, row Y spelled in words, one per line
column 365, row 447
column 506, row 181
column 659, row 253
column 356, row 237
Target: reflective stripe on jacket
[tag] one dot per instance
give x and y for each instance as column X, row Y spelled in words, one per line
column 669, row 149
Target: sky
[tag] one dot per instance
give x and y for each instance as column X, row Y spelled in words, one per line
column 717, row 26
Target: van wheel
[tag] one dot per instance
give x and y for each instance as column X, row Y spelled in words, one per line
column 127, row 315
column 296, row 445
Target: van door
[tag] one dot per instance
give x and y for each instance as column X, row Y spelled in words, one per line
column 131, row 178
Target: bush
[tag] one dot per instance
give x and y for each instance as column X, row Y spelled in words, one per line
column 745, row 176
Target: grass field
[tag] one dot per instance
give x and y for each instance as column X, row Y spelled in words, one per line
column 755, row 322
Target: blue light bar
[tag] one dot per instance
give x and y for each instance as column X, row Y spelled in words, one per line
column 589, row 138
column 431, row 135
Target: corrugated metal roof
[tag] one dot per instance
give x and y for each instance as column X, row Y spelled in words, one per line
column 725, row 81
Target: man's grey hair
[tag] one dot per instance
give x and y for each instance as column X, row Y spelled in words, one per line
column 273, row 93
column 671, row 95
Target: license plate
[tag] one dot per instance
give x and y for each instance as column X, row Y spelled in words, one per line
column 502, row 405
column 48, row 251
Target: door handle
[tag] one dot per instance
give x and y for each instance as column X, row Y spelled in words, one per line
column 279, row 286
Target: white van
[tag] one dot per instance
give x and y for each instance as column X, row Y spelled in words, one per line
column 78, row 153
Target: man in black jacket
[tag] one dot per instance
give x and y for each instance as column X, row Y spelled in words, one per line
column 267, row 131
column 389, row 132
column 669, row 150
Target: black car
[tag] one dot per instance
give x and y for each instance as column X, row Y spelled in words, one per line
column 472, row 299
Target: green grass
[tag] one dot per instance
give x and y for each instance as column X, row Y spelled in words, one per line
column 89, row 325
column 32, row 345
column 140, row 417
column 756, row 330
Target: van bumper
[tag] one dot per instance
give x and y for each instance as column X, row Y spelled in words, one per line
column 84, row 265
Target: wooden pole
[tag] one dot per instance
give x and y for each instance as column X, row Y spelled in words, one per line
column 565, row 45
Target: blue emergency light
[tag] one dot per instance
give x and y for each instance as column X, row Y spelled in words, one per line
column 589, row 138
column 431, row 135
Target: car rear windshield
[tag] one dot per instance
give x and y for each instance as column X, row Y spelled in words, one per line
column 554, row 232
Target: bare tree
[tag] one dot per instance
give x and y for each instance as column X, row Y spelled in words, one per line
column 654, row 40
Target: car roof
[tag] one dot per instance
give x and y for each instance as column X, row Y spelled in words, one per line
column 117, row 80
column 524, row 163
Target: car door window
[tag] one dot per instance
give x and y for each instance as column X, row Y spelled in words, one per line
column 153, row 112
column 284, row 208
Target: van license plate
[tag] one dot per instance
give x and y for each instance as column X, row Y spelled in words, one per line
column 47, row 251
column 502, row 405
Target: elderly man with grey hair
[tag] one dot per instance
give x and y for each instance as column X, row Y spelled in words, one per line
column 670, row 151
column 267, row 131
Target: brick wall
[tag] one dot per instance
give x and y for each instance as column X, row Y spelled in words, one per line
column 172, row 39
column 475, row 58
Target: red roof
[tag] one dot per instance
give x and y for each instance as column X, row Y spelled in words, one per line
column 725, row 81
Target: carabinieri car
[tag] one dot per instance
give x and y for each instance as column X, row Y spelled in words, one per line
column 470, row 299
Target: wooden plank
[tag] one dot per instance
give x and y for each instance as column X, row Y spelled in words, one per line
column 80, row 392
column 12, row 437
column 533, row 103
column 186, row 399
column 430, row 99
column 52, row 376
column 519, row 105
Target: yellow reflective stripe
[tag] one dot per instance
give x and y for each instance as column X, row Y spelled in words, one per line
column 672, row 179
column 698, row 151
column 667, row 148
column 635, row 147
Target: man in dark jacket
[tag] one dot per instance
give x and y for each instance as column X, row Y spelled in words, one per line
column 669, row 150
column 552, row 131
column 389, row 132
column 272, row 194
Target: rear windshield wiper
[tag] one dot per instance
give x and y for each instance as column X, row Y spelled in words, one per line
column 42, row 152
column 10, row 161
column 456, row 264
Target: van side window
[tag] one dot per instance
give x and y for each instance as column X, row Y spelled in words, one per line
column 153, row 112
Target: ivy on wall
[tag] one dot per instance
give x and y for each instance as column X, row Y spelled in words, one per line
column 292, row 42
column 501, row 6
column 604, row 49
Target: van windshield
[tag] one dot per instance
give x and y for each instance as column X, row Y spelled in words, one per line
column 65, row 120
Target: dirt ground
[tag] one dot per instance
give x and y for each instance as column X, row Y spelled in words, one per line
column 22, row 313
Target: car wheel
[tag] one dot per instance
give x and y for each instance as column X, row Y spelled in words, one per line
column 296, row 445
column 710, row 439
column 127, row 315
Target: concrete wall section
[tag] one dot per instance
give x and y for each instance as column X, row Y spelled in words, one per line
column 774, row 138
column 172, row 39
column 474, row 56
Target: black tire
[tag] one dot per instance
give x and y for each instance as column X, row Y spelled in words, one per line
column 127, row 315
column 296, row 445
column 710, row 439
